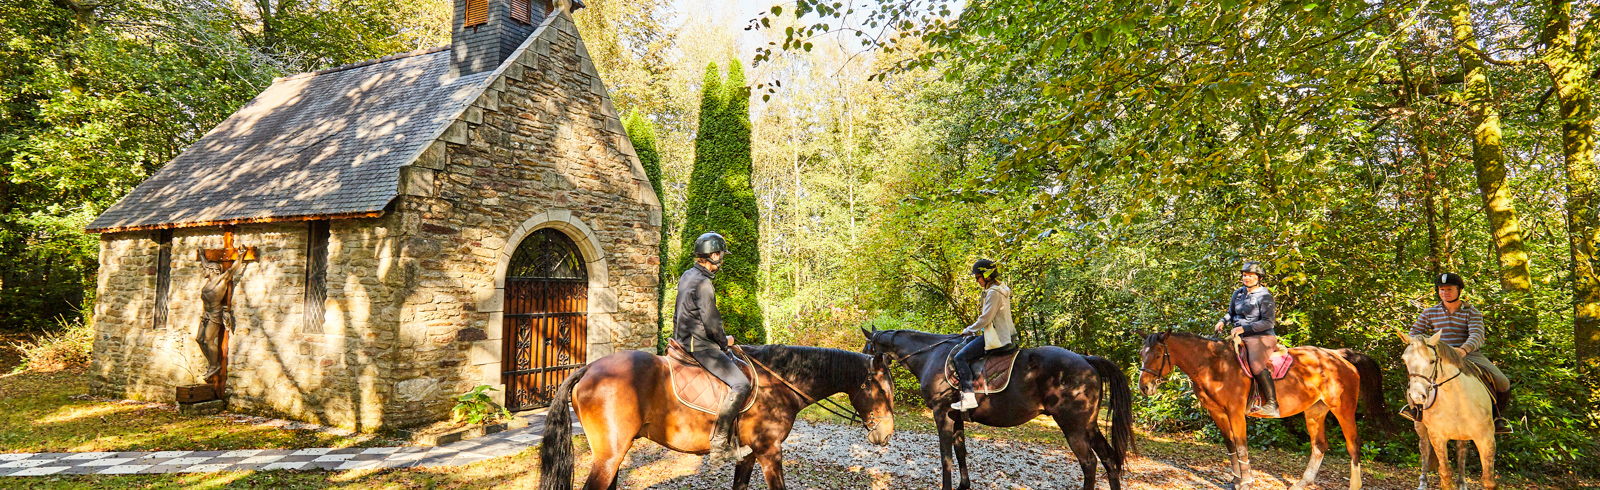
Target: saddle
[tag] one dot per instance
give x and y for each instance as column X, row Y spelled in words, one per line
column 1281, row 361
column 697, row 388
column 992, row 374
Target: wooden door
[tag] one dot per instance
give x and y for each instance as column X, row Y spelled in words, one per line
column 545, row 320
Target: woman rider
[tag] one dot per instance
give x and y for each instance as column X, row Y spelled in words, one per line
column 994, row 322
column 1251, row 315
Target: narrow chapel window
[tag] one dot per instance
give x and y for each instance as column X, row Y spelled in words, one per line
column 477, row 13
column 163, row 277
column 316, row 275
column 521, row 10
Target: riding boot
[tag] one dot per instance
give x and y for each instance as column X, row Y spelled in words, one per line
column 1501, row 425
column 725, row 445
column 1269, row 394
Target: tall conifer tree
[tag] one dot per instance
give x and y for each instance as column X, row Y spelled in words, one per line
column 643, row 135
column 721, row 199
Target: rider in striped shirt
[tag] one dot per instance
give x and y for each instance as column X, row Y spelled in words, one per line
column 1462, row 327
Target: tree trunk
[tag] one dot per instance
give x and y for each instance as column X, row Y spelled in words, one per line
column 1488, row 161
column 1566, row 58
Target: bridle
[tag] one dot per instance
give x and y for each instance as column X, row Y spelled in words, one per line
column 902, row 359
column 1166, row 359
column 1433, row 383
column 871, row 422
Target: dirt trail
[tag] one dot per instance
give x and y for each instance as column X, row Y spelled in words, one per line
column 827, row 456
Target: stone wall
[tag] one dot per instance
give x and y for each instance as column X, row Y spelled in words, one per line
column 542, row 147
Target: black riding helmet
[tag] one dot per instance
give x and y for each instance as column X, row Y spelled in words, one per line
column 986, row 269
column 1449, row 279
column 1254, row 267
column 709, row 243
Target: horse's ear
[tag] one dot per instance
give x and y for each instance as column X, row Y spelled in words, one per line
column 865, row 333
column 1404, row 337
column 1434, row 340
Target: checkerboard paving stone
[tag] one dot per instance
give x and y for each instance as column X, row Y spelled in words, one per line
column 331, row 459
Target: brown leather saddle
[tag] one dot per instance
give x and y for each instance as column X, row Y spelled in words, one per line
column 990, row 375
column 697, row 388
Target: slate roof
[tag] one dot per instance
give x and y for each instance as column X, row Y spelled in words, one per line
column 327, row 143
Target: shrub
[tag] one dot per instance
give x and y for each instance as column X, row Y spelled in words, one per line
column 476, row 406
column 66, row 347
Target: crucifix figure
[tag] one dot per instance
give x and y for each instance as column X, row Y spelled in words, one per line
column 216, row 295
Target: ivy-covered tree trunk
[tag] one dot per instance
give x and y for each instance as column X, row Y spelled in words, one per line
column 721, row 199
column 1566, row 58
column 1488, row 162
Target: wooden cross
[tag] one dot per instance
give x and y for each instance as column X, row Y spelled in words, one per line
column 225, row 257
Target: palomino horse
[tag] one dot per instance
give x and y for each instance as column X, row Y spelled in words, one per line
column 1048, row 380
column 1319, row 382
column 628, row 395
column 1458, row 411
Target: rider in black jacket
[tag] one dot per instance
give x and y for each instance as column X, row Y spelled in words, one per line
column 698, row 326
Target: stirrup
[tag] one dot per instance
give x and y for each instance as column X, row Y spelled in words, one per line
column 1411, row 413
column 1502, row 426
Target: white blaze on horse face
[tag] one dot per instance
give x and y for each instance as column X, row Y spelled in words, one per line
column 1420, row 365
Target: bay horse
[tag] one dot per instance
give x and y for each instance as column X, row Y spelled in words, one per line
column 1320, row 382
column 1047, row 380
column 628, row 395
column 1454, row 408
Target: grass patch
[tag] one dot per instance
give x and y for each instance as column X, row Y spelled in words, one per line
column 38, row 413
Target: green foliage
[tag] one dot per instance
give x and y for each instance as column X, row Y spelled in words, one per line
column 477, row 406
column 68, row 345
column 643, row 135
column 721, row 199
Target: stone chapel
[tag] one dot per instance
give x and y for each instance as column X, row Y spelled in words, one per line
column 417, row 225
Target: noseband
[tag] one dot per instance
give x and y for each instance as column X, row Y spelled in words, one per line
column 1166, row 360
column 1433, row 383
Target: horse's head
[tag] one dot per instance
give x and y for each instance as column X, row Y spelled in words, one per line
column 879, row 343
column 1425, row 361
column 874, row 400
column 1155, row 362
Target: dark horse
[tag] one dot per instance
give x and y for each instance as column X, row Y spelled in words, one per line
column 1320, row 382
column 1048, row 380
column 628, row 395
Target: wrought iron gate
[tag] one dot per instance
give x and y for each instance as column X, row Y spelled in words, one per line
column 546, row 329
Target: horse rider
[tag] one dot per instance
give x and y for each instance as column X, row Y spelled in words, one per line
column 994, row 322
column 1463, row 331
column 697, row 325
column 1252, row 314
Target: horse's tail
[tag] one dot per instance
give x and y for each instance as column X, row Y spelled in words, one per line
column 1371, row 388
column 555, row 454
column 1121, row 406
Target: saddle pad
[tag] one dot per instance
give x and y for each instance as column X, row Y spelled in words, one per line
column 697, row 388
column 1281, row 360
column 992, row 375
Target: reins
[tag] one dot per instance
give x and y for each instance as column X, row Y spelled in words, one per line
column 828, row 404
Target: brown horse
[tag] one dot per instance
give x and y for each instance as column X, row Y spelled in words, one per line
column 1320, row 381
column 1048, row 380
column 628, row 395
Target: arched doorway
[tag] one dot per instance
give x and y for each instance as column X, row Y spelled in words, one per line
column 545, row 321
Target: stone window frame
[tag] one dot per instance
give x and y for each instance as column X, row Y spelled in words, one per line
column 486, row 354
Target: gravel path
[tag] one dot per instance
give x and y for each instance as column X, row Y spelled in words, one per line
column 828, row 456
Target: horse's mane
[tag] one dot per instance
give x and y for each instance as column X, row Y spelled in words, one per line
column 1447, row 354
column 833, row 366
column 1217, row 345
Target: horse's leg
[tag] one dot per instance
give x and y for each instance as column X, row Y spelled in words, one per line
column 742, row 471
column 609, row 449
column 946, row 441
column 1102, row 448
column 1316, row 416
column 772, row 468
column 960, row 440
column 1461, row 463
column 1242, row 443
column 1078, row 441
column 1219, row 415
column 1346, row 415
column 1425, row 451
column 1441, row 453
column 1486, row 450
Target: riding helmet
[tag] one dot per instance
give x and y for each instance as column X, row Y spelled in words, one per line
column 1254, row 267
column 1449, row 279
column 985, row 268
column 709, row 243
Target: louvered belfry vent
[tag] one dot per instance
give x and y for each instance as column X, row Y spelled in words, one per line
column 486, row 32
